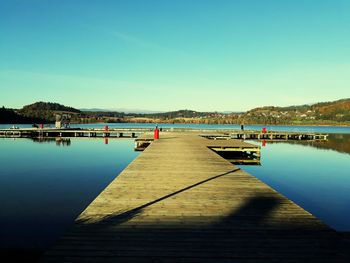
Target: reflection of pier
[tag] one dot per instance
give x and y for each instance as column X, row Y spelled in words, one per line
column 336, row 142
column 179, row 201
column 63, row 142
column 58, row 140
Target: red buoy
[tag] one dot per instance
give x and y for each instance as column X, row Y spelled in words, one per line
column 106, row 128
column 156, row 133
column 263, row 130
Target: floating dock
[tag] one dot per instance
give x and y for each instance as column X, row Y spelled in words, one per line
column 179, row 201
column 278, row 136
column 268, row 136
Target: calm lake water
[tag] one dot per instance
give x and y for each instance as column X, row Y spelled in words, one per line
column 45, row 185
column 317, row 179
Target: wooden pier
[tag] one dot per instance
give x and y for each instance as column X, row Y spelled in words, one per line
column 179, row 201
column 136, row 132
column 92, row 133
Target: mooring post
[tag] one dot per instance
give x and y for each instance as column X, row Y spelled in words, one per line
column 105, row 134
column 156, row 133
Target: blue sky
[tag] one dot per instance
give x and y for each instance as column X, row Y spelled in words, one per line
column 174, row 54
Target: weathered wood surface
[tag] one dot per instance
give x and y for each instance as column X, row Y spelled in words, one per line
column 181, row 202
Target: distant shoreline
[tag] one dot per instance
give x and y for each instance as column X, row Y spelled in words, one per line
column 323, row 114
column 238, row 124
column 187, row 123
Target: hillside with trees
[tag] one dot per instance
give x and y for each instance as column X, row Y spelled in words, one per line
column 319, row 113
column 46, row 111
column 323, row 113
column 9, row 116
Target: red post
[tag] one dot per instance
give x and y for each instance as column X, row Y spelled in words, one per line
column 106, row 128
column 263, row 143
column 41, row 126
column 156, row 133
column 263, row 130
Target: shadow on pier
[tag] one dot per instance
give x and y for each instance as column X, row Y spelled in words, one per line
column 247, row 234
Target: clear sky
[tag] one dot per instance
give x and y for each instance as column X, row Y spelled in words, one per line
column 224, row 55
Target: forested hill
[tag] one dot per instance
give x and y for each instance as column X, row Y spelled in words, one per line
column 9, row 116
column 340, row 108
column 45, row 110
column 334, row 107
column 324, row 113
column 335, row 111
column 48, row 106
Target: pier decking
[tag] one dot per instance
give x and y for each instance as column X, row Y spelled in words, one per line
column 179, row 201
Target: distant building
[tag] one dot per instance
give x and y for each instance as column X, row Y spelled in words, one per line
column 62, row 121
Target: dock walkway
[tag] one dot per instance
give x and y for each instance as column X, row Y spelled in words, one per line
column 179, row 201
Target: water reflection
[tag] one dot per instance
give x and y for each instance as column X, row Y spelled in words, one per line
column 336, row 142
column 58, row 141
column 44, row 187
column 314, row 175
